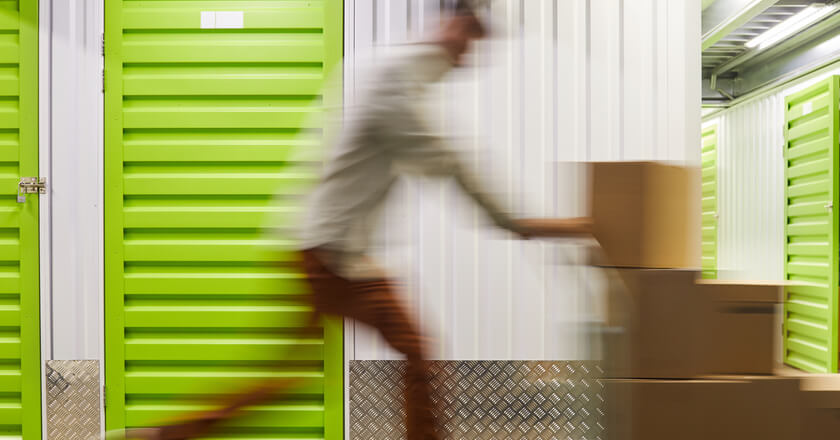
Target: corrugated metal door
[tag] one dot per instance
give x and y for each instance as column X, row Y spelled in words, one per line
column 20, row 348
column 20, row 352
column 811, row 251
column 205, row 105
column 710, row 201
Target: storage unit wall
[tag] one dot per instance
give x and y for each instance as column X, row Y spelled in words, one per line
column 753, row 224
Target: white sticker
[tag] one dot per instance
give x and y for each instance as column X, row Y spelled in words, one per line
column 808, row 107
column 208, row 19
column 230, row 20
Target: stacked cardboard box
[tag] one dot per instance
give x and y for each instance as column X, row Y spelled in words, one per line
column 719, row 408
column 642, row 212
column 659, row 322
column 743, row 330
column 820, row 407
column 675, row 344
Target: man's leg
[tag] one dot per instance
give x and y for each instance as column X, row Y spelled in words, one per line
column 203, row 423
column 200, row 424
column 376, row 303
column 387, row 314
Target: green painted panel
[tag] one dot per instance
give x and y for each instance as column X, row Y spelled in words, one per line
column 805, row 326
column 818, row 146
column 219, row 381
column 261, row 316
column 280, row 417
column 813, row 315
column 204, row 217
column 220, row 184
column 811, row 225
column 141, row 347
column 20, row 352
column 800, row 270
column 251, row 284
column 203, row 129
column 260, row 15
column 709, row 204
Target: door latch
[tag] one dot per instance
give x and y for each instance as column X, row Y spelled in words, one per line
column 31, row 185
column 829, row 205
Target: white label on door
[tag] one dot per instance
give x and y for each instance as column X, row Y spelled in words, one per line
column 230, row 19
column 808, row 107
column 208, row 19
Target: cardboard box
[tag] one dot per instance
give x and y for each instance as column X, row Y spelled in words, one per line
column 821, row 424
column 668, row 324
column 643, row 214
column 638, row 409
column 657, row 325
column 713, row 408
column 820, row 406
column 766, row 408
column 743, row 331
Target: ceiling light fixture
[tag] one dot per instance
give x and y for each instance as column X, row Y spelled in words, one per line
column 792, row 25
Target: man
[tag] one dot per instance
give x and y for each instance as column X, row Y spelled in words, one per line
column 383, row 135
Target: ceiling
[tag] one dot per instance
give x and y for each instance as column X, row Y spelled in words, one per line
column 730, row 69
column 731, row 45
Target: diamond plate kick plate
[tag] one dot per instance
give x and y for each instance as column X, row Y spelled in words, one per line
column 484, row 400
column 73, row 400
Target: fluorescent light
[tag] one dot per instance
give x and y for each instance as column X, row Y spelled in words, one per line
column 792, row 25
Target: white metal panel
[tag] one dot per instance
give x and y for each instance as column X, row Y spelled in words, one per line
column 75, row 178
column 604, row 76
column 44, row 212
column 684, row 92
column 751, row 191
column 562, row 80
column 639, row 80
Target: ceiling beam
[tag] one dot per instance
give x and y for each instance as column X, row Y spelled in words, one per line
column 829, row 24
column 751, row 10
column 807, row 51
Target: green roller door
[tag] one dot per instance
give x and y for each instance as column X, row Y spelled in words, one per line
column 811, row 251
column 710, row 202
column 205, row 105
column 20, row 353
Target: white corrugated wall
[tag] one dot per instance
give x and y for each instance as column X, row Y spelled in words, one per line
column 563, row 80
column 71, row 149
column 751, row 186
column 751, row 190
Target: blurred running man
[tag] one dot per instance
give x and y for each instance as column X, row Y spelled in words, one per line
column 382, row 136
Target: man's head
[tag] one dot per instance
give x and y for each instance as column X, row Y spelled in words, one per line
column 460, row 27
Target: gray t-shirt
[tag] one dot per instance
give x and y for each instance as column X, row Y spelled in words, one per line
column 383, row 135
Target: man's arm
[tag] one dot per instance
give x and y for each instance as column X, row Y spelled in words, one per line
column 418, row 149
column 526, row 228
column 556, row 227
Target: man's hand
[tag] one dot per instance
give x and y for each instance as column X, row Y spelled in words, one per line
column 554, row 227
